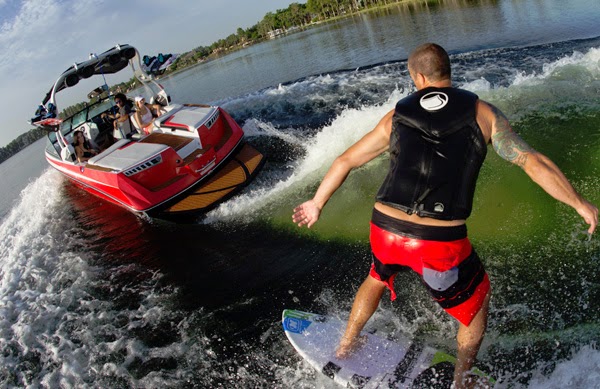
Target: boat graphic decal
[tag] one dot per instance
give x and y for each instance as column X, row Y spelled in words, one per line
column 143, row 166
column 212, row 120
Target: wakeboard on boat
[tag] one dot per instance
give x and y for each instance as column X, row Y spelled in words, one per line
column 191, row 158
column 157, row 65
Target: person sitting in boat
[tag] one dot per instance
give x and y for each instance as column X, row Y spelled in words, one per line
column 83, row 150
column 125, row 108
column 145, row 114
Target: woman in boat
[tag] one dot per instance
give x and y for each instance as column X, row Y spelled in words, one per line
column 83, row 150
column 145, row 114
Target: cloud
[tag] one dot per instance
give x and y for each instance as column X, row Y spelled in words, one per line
column 32, row 35
column 39, row 30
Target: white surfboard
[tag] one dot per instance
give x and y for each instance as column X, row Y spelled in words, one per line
column 379, row 363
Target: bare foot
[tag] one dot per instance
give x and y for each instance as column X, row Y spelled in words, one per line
column 347, row 347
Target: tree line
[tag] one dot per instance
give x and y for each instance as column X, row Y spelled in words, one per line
column 295, row 16
column 20, row 143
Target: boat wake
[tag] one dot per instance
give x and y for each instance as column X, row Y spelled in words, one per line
column 318, row 153
column 71, row 318
column 524, row 94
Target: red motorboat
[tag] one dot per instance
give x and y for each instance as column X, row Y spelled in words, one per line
column 193, row 157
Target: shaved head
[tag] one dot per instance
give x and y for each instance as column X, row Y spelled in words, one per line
column 430, row 60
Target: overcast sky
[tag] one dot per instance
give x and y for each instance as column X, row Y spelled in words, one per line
column 39, row 39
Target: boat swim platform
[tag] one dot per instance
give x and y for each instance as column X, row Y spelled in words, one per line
column 236, row 174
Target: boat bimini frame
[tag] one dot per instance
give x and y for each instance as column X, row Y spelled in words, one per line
column 108, row 62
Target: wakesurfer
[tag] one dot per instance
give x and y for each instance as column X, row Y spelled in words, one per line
column 437, row 139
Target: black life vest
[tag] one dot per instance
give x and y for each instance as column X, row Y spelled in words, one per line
column 436, row 151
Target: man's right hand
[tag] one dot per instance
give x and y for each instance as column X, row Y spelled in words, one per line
column 306, row 213
column 589, row 213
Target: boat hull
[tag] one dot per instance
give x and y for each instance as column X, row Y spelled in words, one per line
column 184, row 160
column 234, row 173
column 221, row 185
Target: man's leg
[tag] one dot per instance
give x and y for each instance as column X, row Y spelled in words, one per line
column 469, row 339
column 365, row 303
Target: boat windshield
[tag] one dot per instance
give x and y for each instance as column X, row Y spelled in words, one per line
column 100, row 107
column 65, row 126
column 79, row 118
column 86, row 114
column 89, row 113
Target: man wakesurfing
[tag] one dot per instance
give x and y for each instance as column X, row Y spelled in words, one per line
column 437, row 140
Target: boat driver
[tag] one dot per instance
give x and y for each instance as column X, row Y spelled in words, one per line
column 122, row 115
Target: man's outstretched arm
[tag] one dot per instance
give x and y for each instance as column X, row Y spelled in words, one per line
column 368, row 147
column 538, row 167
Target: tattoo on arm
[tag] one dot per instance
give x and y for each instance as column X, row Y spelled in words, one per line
column 507, row 143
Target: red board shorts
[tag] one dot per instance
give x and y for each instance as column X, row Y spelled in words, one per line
column 442, row 256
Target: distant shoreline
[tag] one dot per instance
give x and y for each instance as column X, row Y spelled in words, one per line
column 298, row 29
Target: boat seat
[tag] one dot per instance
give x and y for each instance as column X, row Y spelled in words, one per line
column 169, row 111
column 126, row 129
column 188, row 119
column 91, row 132
column 135, row 123
column 68, row 153
column 122, row 158
column 118, row 144
column 137, row 126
